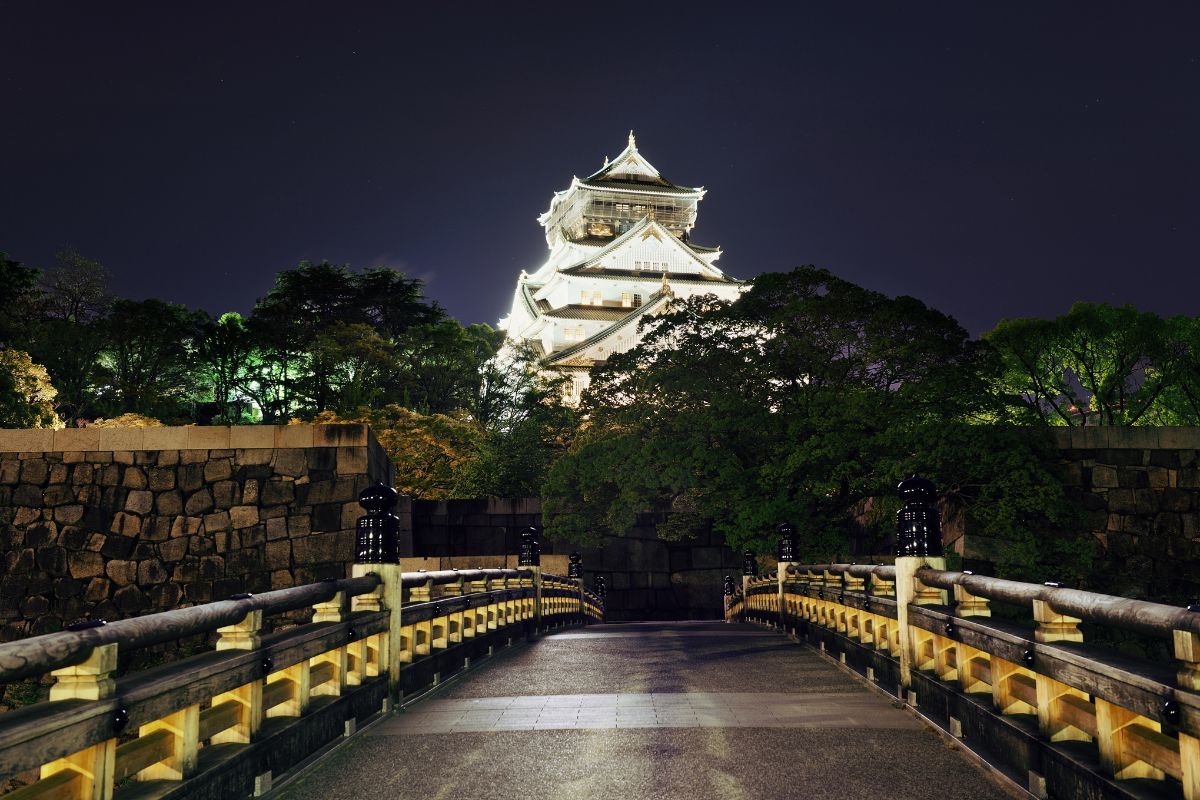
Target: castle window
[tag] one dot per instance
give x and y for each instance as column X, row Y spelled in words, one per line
column 596, row 301
column 637, row 301
column 626, row 300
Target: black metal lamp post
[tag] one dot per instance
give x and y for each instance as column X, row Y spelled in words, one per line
column 918, row 523
column 787, row 543
column 377, row 541
column 531, row 551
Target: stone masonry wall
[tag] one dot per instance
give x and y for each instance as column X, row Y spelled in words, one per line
column 1139, row 489
column 647, row 578
column 111, row 523
column 1138, row 494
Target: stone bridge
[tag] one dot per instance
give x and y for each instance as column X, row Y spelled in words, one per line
column 824, row 681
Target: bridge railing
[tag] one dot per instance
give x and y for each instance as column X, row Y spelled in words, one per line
column 1073, row 719
column 224, row 722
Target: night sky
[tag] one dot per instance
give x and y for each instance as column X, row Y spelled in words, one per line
column 994, row 160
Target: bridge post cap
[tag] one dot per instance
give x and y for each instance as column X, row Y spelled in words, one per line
column 378, row 499
column 915, row 489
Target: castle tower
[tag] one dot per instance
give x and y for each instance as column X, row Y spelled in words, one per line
column 620, row 248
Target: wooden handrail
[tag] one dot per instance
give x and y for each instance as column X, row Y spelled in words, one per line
column 1155, row 619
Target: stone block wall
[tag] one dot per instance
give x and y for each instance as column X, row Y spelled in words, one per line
column 1139, row 492
column 647, row 578
column 111, row 522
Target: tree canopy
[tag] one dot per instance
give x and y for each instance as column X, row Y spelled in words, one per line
column 806, row 400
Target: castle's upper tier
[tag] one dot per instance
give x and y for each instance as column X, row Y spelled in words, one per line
column 608, row 202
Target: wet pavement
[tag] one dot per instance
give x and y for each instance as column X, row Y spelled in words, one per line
column 650, row 710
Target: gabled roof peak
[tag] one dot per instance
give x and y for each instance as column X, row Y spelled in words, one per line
column 628, row 162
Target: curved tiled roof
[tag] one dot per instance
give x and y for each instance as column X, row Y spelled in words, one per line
column 594, row 313
column 651, row 302
column 623, row 274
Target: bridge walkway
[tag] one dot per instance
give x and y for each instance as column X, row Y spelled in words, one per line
column 650, row 710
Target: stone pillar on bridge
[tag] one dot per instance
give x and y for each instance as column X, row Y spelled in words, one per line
column 530, row 558
column 377, row 552
column 786, row 555
column 918, row 544
column 575, row 573
column 749, row 572
column 728, row 596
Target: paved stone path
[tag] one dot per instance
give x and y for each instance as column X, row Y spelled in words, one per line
column 655, row 710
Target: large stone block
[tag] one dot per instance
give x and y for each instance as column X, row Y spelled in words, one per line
column 252, row 437
column 35, row 471
column 117, row 546
column 37, row 440
column 151, row 572
column 139, row 502
column 58, row 473
column 1104, row 476
column 83, row 474
column 225, row 494
column 217, row 521
column 293, row 436
column 207, row 437
column 173, row 550
column 198, row 503
column 278, row 491
column 339, row 435
column 85, row 564
column 278, row 555
column 243, row 516
column 122, row 573
column 189, row 477
column 82, row 439
column 58, row 496
column 291, row 462
column 169, row 503
column 124, row 439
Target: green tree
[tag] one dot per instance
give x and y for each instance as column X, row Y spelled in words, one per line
column 68, row 335
column 148, row 360
column 18, row 301
column 1096, row 365
column 519, row 406
column 224, row 351
column 1179, row 401
column 808, row 399
column 26, row 394
column 316, row 314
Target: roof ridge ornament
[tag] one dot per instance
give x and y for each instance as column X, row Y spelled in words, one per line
column 632, row 140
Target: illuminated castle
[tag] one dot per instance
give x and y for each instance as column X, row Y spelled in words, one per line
column 620, row 249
